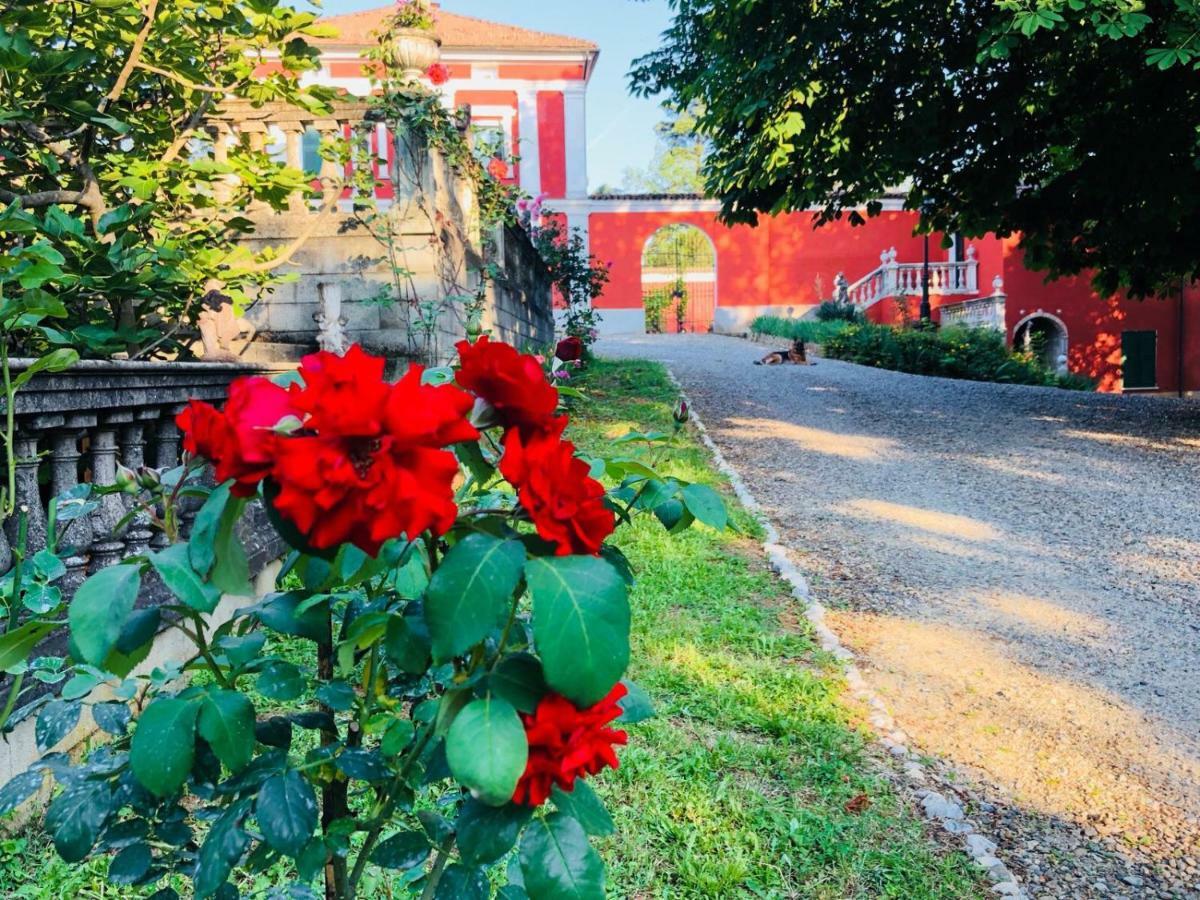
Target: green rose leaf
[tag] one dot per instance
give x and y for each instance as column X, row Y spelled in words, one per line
column 706, row 505
column 56, row 720
column 99, row 610
column 20, row 789
column 580, row 624
column 226, row 721
column 164, row 745
column 287, row 812
column 223, row 847
column 582, row 805
column 459, row 882
column 281, row 681
column 76, row 817
column 470, row 592
column 407, row 641
column 174, row 567
column 487, row 750
column 130, row 864
column 558, row 863
column 486, row 833
column 402, row 851
column 519, row 680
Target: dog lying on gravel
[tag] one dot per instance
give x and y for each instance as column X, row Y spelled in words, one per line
column 796, row 354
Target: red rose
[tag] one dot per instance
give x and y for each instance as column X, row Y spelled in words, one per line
column 566, row 742
column 369, row 465
column 565, row 504
column 240, row 441
column 437, row 74
column 513, row 383
column 569, row 349
column 498, row 168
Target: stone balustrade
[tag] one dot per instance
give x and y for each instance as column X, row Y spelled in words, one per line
column 75, row 426
column 981, row 312
column 897, row 279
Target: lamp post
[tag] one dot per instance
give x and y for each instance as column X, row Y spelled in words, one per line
column 926, row 313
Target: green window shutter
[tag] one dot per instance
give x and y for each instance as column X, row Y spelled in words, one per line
column 1139, row 353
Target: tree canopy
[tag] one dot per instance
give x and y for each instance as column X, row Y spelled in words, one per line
column 1073, row 123
column 102, row 144
column 678, row 158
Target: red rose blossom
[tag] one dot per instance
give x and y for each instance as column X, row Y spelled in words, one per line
column 370, row 464
column 566, row 742
column 565, row 504
column 498, row 168
column 239, row 441
column 569, row 349
column 513, row 383
column 437, row 74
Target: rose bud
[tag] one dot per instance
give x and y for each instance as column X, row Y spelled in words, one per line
column 680, row 412
column 126, row 479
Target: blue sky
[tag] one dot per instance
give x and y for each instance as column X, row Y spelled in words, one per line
column 620, row 128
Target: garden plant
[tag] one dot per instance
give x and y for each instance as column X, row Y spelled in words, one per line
column 450, row 646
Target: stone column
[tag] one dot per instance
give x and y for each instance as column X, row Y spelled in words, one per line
column 64, row 475
column 575, row 115
column 27, row 495
column 166, row 457
column 133, row 455
column 109, row 547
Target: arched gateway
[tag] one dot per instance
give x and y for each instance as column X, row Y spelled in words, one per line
column 679, row 280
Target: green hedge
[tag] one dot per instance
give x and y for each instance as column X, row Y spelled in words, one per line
column 807, row 330
column 975, row 354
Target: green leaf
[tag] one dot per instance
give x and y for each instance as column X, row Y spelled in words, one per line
column 54, row 361
column 706, row 505
column 396, row 737
column 20, row 789
column 174, row 567
column 487, row 749
column 164, row 745
column 582, row 805
column 407, row 641
column 281, row 681
column 226, row 721
column 470, row 592
column 287, row 812
column 459, row 882
column 57, row 719
column 112, row 718
column 282, row 613
column 402, row 851
column 76, row 817
column 519, row 680
column 130, row 864
column 99, row 610
column 558, row 863
column 580, row 624
column 486, row 833
column 16, row 645
column 222, row 848
column 636, row 705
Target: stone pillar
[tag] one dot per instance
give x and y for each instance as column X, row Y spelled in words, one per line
column 27, row 495
column 109, row 548
column 133, row 455
column 166, row 457
column 78, row 534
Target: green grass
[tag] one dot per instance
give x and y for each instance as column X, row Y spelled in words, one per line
column 739, row 787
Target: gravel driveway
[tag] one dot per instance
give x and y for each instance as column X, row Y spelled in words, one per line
column 1019, row 571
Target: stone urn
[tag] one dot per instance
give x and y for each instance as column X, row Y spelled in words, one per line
column 413, row 50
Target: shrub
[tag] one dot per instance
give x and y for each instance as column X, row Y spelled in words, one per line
column 807, row 330
column 974, row 354
column 832, row 311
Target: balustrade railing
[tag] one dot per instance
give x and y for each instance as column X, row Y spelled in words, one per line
column 73, row 428
column 981, row 312
column 897, row 279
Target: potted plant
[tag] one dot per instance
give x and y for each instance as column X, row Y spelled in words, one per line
column 411, row 47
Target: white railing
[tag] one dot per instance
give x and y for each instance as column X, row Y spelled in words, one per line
column 982, row 312
column 896, row 279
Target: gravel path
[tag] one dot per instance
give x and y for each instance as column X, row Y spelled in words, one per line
column 1018, row 570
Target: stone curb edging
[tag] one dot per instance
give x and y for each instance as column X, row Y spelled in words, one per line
column 937, row 808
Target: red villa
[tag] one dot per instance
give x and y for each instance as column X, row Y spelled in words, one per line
column 527, row 91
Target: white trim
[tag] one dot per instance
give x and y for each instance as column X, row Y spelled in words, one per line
column 575, row 134
column 668, row 206
column 529, row 149
column 579, row 222
column 686, row 277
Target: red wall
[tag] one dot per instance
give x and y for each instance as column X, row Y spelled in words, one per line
column 778, row 263
column 552, row 142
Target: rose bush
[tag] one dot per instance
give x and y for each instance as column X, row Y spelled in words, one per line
column 427, row 693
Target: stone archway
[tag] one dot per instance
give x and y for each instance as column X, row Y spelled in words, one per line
column 679, row 279
column 1045, row 336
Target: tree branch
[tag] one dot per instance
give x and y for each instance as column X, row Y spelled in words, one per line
column 131, row 62
column 179, row 79
column 328, row 205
